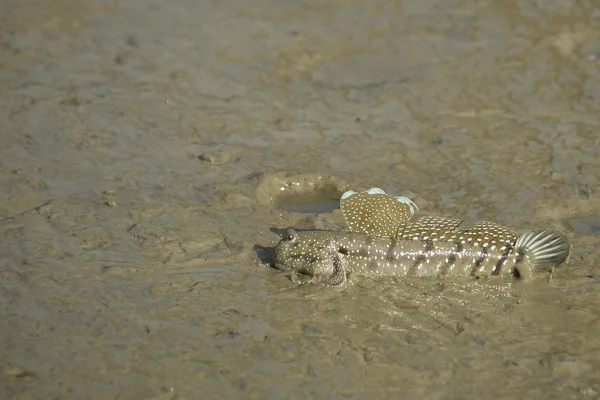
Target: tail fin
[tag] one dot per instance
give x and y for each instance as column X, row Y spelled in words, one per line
column 541, row 250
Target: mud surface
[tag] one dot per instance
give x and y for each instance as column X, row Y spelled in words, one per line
column 151, row 149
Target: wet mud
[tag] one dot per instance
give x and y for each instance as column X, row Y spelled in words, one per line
column 151, row 152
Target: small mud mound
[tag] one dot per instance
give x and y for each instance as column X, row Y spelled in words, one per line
column 301, row 193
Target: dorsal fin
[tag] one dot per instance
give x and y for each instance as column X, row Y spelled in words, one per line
column 447, row 229
column 375, row 213
column 486, row 234
column 429, row 227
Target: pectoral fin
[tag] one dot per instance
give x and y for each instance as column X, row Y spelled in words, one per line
column 341, row 271
column 331, row 269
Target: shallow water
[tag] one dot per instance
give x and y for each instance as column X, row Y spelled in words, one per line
column 151, row 151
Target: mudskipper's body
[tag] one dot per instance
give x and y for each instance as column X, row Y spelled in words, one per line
column 334, row 256
column 430, row 246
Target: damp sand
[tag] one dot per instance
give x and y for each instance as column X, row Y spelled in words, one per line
column 151, row 151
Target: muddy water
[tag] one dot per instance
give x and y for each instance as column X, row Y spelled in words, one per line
column 151, row 150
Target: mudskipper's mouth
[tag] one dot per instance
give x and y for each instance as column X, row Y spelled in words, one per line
column 281, row 267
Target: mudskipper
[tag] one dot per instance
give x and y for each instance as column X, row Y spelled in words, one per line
column 383, row 241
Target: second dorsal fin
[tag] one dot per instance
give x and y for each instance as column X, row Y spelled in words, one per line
column 444, row 229
column 486, row 234
column 428, row 227
column 375, row 212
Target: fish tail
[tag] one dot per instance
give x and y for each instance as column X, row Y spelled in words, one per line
column 540, row 251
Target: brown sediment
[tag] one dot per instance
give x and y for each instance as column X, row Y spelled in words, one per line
column 144, row 146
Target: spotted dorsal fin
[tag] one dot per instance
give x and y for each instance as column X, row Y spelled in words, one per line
column 425, row 228
column 486, row 234
column 375, row 213
column 441, row 229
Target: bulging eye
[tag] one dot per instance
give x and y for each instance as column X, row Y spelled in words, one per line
column 290, row 235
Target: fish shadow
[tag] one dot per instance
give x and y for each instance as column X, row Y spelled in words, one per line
column 265, row 254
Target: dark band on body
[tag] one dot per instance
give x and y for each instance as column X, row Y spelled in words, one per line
column 429, row 246
column 480, row 259
column 364, row 250
column 458, row 248
column 446, row 266
column 391, row 253
column 421, row 258
column 503, row 258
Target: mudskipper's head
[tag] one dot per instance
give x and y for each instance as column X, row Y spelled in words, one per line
column 291, row 254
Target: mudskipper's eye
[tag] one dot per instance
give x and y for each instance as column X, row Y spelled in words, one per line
column 290, row 235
